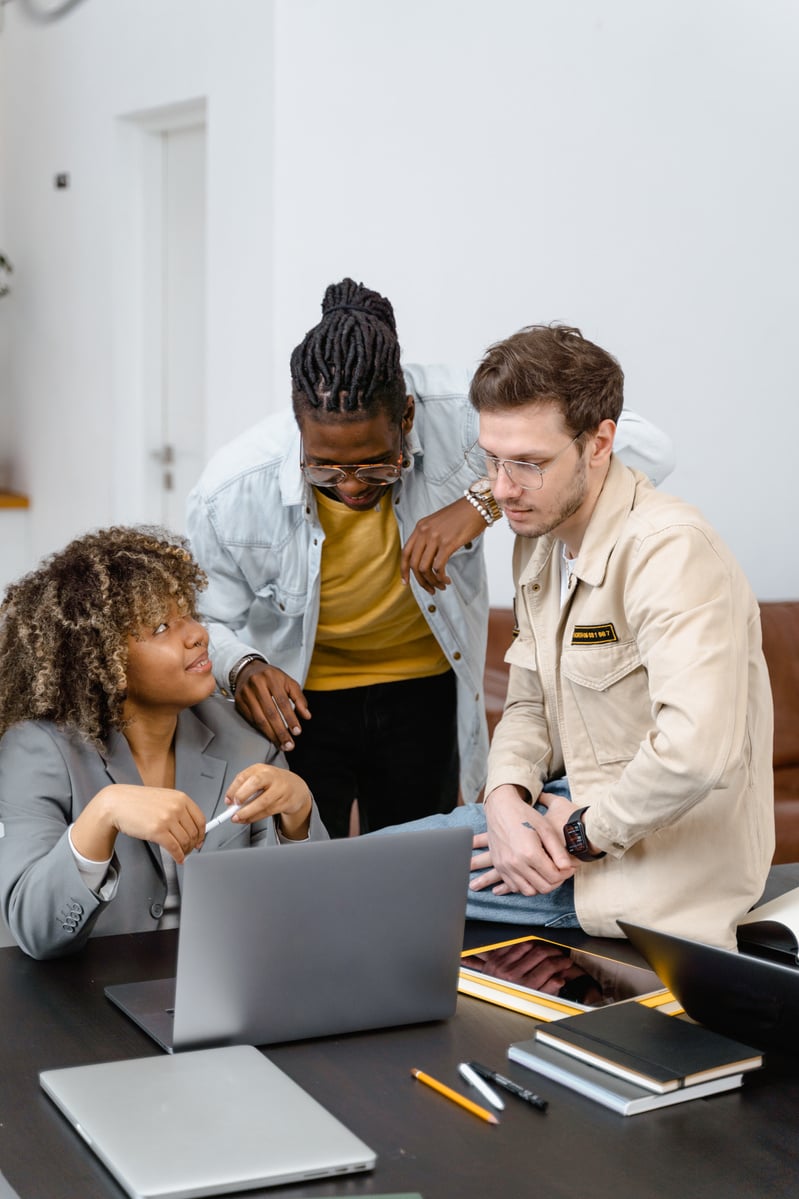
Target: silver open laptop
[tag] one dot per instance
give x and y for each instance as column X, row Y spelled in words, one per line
column 203, row 1123
column 291, row 942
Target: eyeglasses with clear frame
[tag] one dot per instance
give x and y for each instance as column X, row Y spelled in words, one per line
column 378, row 474
column 526, row 475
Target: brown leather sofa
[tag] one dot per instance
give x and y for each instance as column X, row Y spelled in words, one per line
column 780, row 621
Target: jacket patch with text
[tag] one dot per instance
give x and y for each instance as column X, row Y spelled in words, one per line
column 594, row 634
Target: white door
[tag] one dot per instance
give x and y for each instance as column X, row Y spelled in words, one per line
column 177, row 437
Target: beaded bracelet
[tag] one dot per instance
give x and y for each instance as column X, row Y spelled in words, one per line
column 473, row 500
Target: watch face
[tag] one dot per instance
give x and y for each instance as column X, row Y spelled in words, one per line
column 574, row 835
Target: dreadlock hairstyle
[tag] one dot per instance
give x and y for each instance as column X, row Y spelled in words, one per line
column 349, row 364
column 64, row 627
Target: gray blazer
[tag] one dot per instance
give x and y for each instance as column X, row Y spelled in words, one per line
column 48, row 776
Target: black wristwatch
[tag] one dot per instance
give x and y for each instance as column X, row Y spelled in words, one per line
column 576, row 840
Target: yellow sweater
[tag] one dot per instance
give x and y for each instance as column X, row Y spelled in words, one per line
column 370, row 627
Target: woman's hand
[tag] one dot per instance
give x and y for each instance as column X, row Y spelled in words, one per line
column 166, row 817
column 272, row 791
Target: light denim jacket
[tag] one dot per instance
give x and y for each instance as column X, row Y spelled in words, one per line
column 254, row 529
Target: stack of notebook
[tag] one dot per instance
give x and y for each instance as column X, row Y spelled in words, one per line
column 633, row 1058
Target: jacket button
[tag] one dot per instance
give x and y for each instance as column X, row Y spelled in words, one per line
column 156, row 910
column 431, row 607
column 535, row 587
column 456, row 656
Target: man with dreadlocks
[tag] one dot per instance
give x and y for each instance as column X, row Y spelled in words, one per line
column 347, row 600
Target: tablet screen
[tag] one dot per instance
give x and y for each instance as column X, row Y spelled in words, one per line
column 545, row 968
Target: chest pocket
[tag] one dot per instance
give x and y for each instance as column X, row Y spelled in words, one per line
column 609, row 686
column 235, row 836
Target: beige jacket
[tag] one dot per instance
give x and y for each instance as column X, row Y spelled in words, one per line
column 650, row 690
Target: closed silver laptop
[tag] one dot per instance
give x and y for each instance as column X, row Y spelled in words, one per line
column 312, row 940
column 203, row 1123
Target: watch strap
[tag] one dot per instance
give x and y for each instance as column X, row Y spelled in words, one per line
column 576, row 839
column 232, row 678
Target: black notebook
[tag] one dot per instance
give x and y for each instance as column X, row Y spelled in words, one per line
column 658, row 1052
column 612, row 1092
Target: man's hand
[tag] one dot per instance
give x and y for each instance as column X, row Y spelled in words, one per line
column 435, row 539
column 523, row 850
column 159, row 814
column 271, row 701
column 272, row 791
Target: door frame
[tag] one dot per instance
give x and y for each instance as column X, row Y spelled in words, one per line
column 137, row 303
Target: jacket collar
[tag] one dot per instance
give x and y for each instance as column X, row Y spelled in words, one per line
column 293, row 488
column 197, row 773
column 613, row 506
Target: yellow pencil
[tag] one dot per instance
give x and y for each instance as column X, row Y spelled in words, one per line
column 461, row 1100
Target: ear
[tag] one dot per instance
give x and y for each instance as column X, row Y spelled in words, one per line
column 603, row 443
column 408, row 415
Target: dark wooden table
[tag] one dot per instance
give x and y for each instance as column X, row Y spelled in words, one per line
column 743, row 1143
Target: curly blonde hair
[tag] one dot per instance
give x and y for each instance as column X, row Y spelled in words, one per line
column 64, row 627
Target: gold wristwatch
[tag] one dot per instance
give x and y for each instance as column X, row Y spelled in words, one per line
column 481, row 490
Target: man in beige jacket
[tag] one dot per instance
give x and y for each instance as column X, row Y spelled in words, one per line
column 631, row 774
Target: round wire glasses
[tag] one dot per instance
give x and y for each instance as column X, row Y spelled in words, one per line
column 526, row 475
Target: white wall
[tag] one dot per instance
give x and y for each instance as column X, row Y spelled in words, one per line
column 627, row 167
column 67, row 90
column 7, row 438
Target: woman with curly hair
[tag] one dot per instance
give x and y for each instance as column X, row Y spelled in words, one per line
column 114, row 752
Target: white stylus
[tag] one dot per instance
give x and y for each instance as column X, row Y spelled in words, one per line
column 223, row 816
column 231, row 811
column 479, row 1084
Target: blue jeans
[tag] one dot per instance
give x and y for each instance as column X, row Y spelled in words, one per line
column 554, row 910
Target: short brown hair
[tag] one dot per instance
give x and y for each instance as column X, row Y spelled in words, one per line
column 64, row 626
column 551, row 363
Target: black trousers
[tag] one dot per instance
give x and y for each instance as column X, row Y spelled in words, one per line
column 391, row 746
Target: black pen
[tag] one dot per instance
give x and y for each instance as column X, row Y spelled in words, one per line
column 507, row 1084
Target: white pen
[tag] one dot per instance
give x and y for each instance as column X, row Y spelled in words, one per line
column 479, row 1084
column 223, row 816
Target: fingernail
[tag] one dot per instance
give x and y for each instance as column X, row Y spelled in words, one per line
column 287, row 745
column 296, row 730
